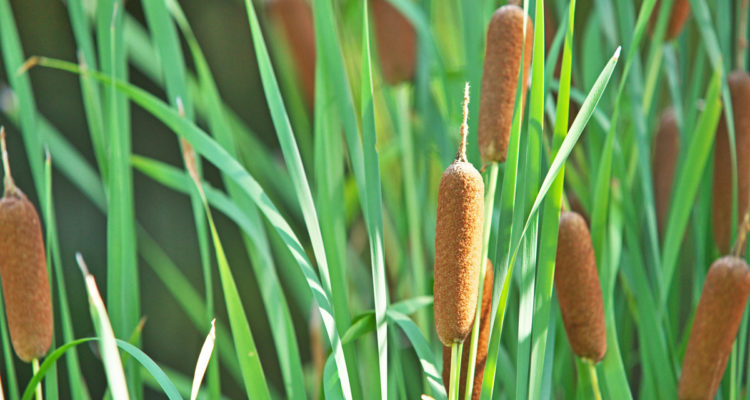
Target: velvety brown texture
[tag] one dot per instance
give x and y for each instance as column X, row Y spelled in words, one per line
column 739, row 87
column 680, row 13
column 666, row 151
column 23, row 268
column 295, row 19
column 482, row 344
column 499, row 80
column 396, row 41
column 717, row 319
column 578, row 290
column 458, row 247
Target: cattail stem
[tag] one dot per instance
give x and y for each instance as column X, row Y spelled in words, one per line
column 489, row 205
column 10, row 186
column 461, row 154
column 455, row 373
column 35, row 368
column 594, row 379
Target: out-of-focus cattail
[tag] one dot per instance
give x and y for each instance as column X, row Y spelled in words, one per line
column 482, row 345
column 502, row 61
column 717, row 318
column 739, row 87
column 295, row 20
column 396, row 41
column 23, row 268
column 680, row 13
column 664, row 163
column 578, row 289
column 458, row 244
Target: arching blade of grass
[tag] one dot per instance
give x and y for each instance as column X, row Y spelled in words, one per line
column 374, row 205
column 107, row 347
column 164, row 383
column 228, row 165
column 426, row 357
column 565, row 148
column 256, row 240
column 261, row 164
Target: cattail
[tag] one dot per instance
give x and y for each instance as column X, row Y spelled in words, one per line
column 666, row 150
column 739, row 87
column 23, row 269
column 295, row 20
column 458, row 244
column 717, row 318
column 578, row 289
column 482, row 345
column 680, row 12
column 396, row 41
column 502, row 61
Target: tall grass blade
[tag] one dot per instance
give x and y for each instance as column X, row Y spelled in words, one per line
column 374, row 205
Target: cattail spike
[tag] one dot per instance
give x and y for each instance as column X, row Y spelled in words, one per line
column 508, row 53
column 461, row 155
column 458, row 246
column 578, row 289
column 23, row 269
column 714, row 329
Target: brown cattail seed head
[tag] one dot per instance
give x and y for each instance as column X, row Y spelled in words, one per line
column 295, row 19
column 458, row 244
column 396, row 41
column 717, row 318
column 578, row 288
column 482, row 344
column 502, row 61
column 680, row 12
column 739, row 88
column 23, row 269
column 666, row 150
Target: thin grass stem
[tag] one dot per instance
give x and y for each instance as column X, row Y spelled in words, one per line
column 594, row 379
column 455, row 366
column 35, row 368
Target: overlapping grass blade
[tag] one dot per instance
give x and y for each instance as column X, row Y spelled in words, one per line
column 228, row 165
column 123, row 295
column 256, row 240
column 164, row 36
column 530, row 314
column 565, row 148
column 550, row 222
column 298, row 176
column 244, row 344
